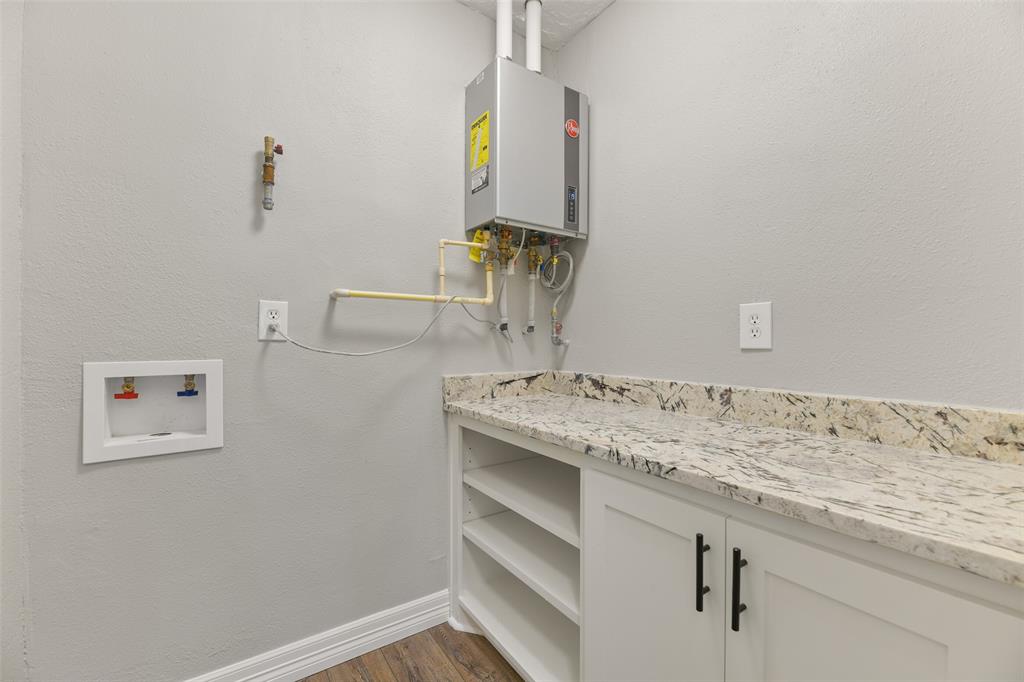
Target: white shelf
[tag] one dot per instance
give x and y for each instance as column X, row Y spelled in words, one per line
column 115, row 441
column 539, row 642
column 540, row 489
column 545, row 563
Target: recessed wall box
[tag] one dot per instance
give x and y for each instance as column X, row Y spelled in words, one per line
column 527, row 152
column 172, row 406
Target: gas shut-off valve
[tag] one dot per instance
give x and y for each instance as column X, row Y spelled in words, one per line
column 269, row 149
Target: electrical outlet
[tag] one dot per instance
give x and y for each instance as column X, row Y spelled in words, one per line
column 756, row 325
column 272, row 312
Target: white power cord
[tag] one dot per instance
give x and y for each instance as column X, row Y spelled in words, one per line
column 328, row 351
column 520, row 250
column 492, row 325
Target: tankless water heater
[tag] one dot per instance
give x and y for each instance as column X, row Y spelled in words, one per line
column 527, row 152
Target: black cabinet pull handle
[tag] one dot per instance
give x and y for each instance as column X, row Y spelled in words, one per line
column 702, row 589
column 738, row 607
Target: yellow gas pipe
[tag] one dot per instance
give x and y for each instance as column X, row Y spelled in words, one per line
column 441, row 297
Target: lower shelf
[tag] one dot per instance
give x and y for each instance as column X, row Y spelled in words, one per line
column 548, row 565
column 538, row 640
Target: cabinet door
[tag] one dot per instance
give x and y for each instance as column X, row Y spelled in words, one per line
column 812, row 614
column 640, row 617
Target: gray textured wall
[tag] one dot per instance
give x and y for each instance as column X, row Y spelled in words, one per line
column 858, row 164
column 12, row 583
column 144, row 239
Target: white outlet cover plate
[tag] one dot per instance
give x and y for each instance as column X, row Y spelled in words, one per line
column 268, row 309
column 756, row 325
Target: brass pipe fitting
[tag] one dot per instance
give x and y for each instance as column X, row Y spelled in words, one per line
column 269, row 149
column 504, row 245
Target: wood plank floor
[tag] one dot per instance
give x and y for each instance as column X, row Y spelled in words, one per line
column 440, row 654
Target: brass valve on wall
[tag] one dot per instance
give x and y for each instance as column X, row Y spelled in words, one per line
column 269, row 149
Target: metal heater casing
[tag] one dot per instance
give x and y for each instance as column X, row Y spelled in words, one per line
column 524, row 166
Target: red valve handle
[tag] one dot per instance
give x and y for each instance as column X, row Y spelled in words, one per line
column 279, row 149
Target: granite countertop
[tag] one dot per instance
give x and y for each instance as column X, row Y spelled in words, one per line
column 959, row 511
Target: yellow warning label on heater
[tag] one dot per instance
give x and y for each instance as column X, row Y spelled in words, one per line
column 480, row 141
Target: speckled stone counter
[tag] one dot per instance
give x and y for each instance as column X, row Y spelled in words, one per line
column 997, row 435
column 964, row 512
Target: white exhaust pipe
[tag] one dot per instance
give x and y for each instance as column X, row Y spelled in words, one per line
column 503, row 29
column 533, row 14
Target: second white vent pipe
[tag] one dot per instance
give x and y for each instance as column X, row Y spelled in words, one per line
column 533, row 24
column 503, row 29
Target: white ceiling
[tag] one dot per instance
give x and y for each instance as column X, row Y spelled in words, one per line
column 562, row 18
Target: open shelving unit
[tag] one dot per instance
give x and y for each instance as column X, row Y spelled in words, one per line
column 549, row 566
column 539, row 642
column 539, row 489
column 518, row 549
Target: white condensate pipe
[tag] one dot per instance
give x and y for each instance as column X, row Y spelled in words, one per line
column 533, row 14
column 531, row 306
column 503, row 29
column 503, row 295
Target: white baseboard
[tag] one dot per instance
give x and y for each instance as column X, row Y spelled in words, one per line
column 465, row 624
column 307, row 656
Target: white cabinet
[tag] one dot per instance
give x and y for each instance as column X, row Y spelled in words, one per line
column 640, row 555
column 812, row 614
column 577, row 568
column 803, row 613
column 516, row 558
